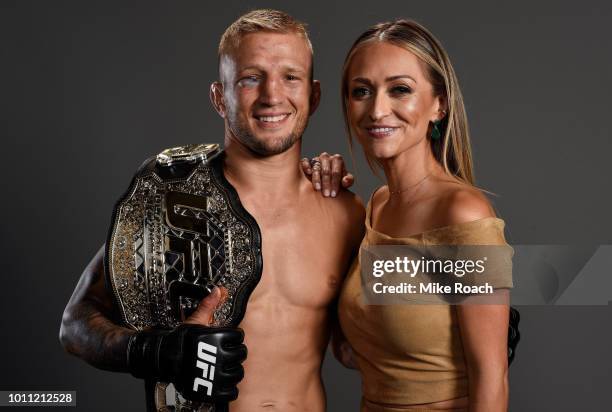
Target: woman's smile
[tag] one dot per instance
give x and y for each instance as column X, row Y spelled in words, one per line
column 382, row 131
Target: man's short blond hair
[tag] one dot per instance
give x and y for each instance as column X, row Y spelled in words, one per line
column 263, row 20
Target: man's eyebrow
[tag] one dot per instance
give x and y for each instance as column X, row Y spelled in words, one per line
column 251, row 67
column 295, row 69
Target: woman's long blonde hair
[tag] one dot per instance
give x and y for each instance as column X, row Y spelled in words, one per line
column 453, row 149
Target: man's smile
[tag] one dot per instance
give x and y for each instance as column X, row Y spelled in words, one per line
column 271, row 120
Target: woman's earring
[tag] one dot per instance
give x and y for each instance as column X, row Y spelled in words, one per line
column 435, row 131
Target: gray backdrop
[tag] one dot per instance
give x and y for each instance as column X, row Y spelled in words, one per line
column 90, row 89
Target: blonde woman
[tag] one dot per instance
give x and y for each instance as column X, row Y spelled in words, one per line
column 403, row 104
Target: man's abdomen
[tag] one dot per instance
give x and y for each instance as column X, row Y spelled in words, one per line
column 281, row 395
column 283, row 367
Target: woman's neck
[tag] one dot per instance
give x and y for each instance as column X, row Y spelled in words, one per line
column 410, row 168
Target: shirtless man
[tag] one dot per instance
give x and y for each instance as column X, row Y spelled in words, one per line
column 265, row 96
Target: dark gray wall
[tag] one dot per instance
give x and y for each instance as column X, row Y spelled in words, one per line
column 89, row 89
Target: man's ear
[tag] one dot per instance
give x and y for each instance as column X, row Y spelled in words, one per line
column 315, row 96
column 217, row 99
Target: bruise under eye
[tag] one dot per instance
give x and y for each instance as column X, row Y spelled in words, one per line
column 248, row 81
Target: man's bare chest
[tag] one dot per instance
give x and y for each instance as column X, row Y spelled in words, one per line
column 304, row 259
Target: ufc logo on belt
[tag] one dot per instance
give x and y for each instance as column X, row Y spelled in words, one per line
column 206, row 362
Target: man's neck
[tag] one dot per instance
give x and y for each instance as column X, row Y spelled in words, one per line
column 270, row 176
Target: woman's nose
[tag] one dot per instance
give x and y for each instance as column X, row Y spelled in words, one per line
column 380, row 107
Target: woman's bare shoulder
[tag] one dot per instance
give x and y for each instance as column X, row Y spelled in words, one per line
column 463, row 203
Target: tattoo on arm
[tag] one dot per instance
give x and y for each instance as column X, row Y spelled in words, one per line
column 89, row 327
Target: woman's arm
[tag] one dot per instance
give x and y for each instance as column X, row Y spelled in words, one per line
column 484, row 333
column 484, row 328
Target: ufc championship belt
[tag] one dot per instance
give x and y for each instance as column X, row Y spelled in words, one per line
column 179, row 231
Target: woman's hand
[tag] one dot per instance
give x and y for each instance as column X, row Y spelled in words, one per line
column 340, row 347
column 327, row 172
column 345, row 356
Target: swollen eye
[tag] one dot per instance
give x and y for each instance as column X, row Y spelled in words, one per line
column 248, row 81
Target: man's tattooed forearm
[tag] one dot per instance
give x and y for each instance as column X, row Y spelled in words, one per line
column 96, row 339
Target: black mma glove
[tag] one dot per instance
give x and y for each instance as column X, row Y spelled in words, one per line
column 203, row 363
